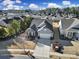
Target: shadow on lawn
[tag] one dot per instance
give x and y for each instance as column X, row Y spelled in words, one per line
column 4, row 47
column 5, row 43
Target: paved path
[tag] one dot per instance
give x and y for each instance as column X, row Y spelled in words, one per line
column 42, row 49
column 56, row 34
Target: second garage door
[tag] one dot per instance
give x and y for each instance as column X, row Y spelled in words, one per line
column 45, row 35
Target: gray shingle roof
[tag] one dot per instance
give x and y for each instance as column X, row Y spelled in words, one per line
column 47, row 24
column 30, row 30
column 66, row 23
column 36, row 21
column 75, row 28
column 2, row 23
column 45, row 30
column 34, row 27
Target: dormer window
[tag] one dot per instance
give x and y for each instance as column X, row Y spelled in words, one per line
column 45, row 29
column 70, row 35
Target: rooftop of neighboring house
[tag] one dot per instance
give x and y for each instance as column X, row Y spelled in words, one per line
column 74, row 27
column 5, row 21
column 2, row 23
column 69, row 23
column 42, row 25
column 66, row 23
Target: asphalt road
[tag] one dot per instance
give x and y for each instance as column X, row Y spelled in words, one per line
column 21, row 57
column 14, row 57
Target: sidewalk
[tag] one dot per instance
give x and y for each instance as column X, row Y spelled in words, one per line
column 16, row 50
column 64, row 55
column 13, row 51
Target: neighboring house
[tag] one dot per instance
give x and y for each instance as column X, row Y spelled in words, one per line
column 44, row 28
column 3, row 23
column 18, row 17
column 69, row 27
column 32, row 32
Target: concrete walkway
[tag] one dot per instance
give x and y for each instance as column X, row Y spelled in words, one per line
column 56, row 34
column 42, row 51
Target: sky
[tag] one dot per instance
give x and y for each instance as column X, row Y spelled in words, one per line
column 36, row 4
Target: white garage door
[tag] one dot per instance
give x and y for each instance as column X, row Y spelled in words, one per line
column 45, row 35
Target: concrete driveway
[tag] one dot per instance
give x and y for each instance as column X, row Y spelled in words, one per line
column 45, row 41
column 42, row 48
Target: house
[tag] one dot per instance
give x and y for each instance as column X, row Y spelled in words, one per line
column 69, row 27
column 43, row 28
column 3, row 23
column 32, row 32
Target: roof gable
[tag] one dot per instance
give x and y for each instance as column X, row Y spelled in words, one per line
column 40, row 25
column 45, row 25
column 48, row 25
column 34, row 27
column 44, row 29
column 36, row 21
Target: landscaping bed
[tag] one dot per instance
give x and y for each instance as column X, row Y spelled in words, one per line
column 13, row 48
column 27, row 45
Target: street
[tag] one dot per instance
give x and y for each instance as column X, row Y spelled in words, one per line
column 14, row 57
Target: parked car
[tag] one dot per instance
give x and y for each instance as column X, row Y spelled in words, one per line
column 57, row 47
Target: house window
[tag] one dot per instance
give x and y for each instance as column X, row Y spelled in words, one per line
column 31, row 33
column 45, row 29
column 70, row 35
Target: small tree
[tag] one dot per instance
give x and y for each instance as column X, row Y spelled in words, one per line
column 3, row 32
column 16, row 25
column 25, row 24
column 11, row 31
